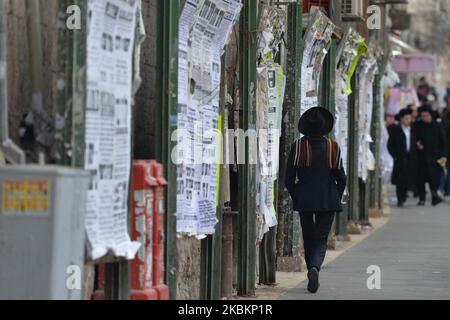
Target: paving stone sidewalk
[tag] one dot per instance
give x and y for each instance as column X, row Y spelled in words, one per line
column 412, row 250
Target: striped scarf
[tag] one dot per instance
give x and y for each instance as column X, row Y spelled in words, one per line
column 303, row 153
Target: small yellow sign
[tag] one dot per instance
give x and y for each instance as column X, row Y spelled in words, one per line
column 31, row 195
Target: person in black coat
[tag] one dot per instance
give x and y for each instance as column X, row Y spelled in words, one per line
column 402, row 147
column 432, row 154
column 316, row 181
column 446, row 123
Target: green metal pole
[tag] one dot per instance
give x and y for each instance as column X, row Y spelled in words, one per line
column 71, row 105
column 364, row 189
column 291, row 115
column 211, row 247
column 329, row 102
column 247, row 171
column 353, row 150
column 329, row 80
column 167, row 110
column 376, row 135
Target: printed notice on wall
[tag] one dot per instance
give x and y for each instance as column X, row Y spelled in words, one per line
column 271, row 84
column 111, row 30
column 366, row 160
column 316, row 46
column 348, row 56
column 205, row 26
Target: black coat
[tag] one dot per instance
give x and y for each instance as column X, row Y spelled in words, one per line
column 432, row 136
column 405, row 163
column 447, row 130
column 317, row 188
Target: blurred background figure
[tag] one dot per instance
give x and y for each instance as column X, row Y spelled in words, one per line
column 426, row 93
column 446, row 123
column 402, row 147
column 414, row 112
column 432, row 154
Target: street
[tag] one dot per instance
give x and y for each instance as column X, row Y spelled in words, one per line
column 412, row 251
column 179, row 150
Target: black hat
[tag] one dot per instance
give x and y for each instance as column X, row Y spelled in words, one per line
column 316, row 122
column 426, row 108
column 402, row 113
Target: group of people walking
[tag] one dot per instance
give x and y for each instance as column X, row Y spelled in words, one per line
column 419, row 145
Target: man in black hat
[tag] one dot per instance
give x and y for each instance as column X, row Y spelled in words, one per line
column 316, row 181
column 432, row 154
column 402, row 147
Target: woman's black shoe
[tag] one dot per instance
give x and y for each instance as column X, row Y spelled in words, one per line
column 421, row 203
column 313, row 277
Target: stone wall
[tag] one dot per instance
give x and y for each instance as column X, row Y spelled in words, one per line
column 19, row 84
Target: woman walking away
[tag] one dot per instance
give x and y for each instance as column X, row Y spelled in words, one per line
column 316, row 181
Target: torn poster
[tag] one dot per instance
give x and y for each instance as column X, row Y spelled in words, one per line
column 270, row 89
column 347, row 54
column 316, row 46
column 110, row 43
column 205, row 26
column 366, row 159
column 271, row 84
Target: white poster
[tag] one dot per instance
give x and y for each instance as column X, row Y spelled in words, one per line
column 111, row 31
column 342, row 118
column 366, row 78
column 205, row 26
column 316, row 46
column 349, row 52
column 270, row 96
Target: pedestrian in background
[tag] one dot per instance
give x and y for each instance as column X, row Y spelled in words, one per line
column 316, row 181
column 402, row 147
column 446, row 124
column 432, row 154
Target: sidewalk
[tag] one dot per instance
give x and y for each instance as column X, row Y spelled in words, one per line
column 412, row 250
column 411, row 246
column 288, row 281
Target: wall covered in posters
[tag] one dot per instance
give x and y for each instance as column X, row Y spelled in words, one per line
column 204, row 30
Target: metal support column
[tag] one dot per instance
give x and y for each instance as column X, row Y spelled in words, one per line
column 329, row 80
column 329, row 102
column 291, row 114
column 247, row 171
column 167, row 110
column 72, row 98
column 353, row 152
column 211, row 247
column 364, row 193
column 376, row 135
column 72, row 55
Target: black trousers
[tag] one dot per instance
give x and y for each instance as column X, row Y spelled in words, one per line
column 423, row 192
column 402, row 191
column 316, row 229
column 426, row 176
